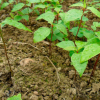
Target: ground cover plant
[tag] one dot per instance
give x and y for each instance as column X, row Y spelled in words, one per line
column 81, row 42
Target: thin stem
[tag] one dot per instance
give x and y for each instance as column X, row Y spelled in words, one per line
column 50, row 52
column 77, row 34
column 94, row 68
column 6, row 53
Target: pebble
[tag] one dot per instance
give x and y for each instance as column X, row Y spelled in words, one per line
column 71, row 74
column 35, row 92
column 33, row 97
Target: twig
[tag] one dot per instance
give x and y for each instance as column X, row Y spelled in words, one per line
column 58, row 78
column 25, row 43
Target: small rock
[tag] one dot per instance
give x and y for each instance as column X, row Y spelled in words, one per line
column 35, row 92
column 46, row 98
column 33, row 97
column 83, row 84
column 73, row 90
column 1, row 93
column 46, row 74
column 71, row 74
column 71, row 82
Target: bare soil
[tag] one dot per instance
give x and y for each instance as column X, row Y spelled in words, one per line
column 39, row 76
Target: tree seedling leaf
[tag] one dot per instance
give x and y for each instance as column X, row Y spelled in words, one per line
column 48, row 16
column 67, row 45
column 41, row 34
column 18, row 97
column 80, row 67
column 89, row 52
column 61, row 28
column 98, row 34
column 17, row 7
column 94, row 10
column 4, row 5
column 16, row 24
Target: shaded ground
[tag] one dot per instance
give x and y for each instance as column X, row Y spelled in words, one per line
column 35, row 76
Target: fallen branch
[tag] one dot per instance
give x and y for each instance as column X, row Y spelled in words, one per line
column 58, row 78
column 25, row 44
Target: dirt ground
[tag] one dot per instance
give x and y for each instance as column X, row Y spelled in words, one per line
column 39, row 76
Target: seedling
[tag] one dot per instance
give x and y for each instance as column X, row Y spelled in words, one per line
column 56, row 29
column 81, row 51
column 16, row 24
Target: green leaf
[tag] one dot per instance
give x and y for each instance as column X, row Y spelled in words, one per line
column 41, row 34
column 4, row 5
column 98, row 34
column 61, row 28
column 95, row 25
column 33, row 1
column 94, row 10
column 26, row 11
column 18, row 97
column 39, row 6
column 48, row 16
column 74, row 31
column 88, row 33
column 17, row 18
column 10, row 1
column 93, row 40
column 77, row 4
column 16, row 24
column 71, row 15
column 80, row 44
column 80, row 67
column 17, row 7
column 26, row 17
column 89, row 52
column 67, row 45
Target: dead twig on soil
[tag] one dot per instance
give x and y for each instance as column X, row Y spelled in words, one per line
column 25, row 44
column 58, row 78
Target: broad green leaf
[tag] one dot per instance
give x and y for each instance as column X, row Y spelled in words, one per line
column 39, row 6
column 71, row 15
column 17, row 7
column 41, row 34
column 33, row 1
column 26, row 17
column 89, row 52
column 18, row 97
column 95, row 25
column 56, row 35
column 88, row 33
column 67, row 45
column 74, row 31
column 61, row 28
column 48, row 16
column 4, row 5
column 94, row 10
column 17, row 18
column 80, row 67
column 83, row 18
column 80, row 44
column 93, row 40
column 26, row 11
column 77, row 4
column 98, row 34
column 16, row 24
column 10, row 1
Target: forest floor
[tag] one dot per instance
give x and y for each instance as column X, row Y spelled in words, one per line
column 35, row 76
